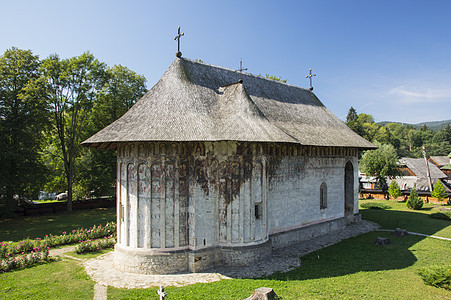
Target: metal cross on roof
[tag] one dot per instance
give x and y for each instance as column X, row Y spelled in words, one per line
column 310, row 75
column 241, row 68
column 177, row 37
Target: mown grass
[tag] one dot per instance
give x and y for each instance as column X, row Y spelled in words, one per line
column 399, row 216
column 50, row 201
column 352, row 269
column 37, row 226
column 62, row 279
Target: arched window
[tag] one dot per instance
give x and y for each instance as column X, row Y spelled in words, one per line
column 323, row 196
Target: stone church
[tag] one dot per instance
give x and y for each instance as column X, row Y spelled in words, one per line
column 218, row 167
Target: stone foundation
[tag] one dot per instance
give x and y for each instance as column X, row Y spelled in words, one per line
column 146, row 261
column 306, row 232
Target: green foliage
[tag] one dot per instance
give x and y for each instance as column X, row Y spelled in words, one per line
column 438, row 276
column 439, row 191
column 381, row 163
column 23, row 119
column 272, row 77
column 414, row 202
column 24, row 260
column 97, row 167
column 95, row 246
column 71, row 86
column 46, row 109
column 394, row 190
column 352, row 115
column 375, row 205
column 407, row 140
column 49, row 240
column 441, row 215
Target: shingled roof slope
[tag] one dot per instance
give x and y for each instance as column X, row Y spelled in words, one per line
column 440, row 160
column 194, row 101
column 418, row 167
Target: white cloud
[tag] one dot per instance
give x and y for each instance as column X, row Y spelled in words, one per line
column 412, row 95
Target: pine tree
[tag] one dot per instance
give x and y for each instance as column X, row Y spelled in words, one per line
column 394, row 190
column 439, row 191
column 414, row 201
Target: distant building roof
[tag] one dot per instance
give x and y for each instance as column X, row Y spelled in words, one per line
column 418, row 167
column 194, row 101
column 439, row 160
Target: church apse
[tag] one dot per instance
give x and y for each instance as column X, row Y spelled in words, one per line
column 206, row 203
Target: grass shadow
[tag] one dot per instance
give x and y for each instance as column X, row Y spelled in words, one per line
column 38, row 226
column 358, row 254
column 414, row 221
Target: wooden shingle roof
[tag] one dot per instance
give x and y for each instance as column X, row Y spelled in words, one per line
column 194, row 101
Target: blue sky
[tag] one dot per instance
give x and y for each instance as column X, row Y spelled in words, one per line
column 390, row 59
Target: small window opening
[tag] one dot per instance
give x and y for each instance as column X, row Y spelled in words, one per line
column 323, row 196
column 258, row 211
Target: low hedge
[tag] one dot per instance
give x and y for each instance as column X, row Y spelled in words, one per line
column 438, row 276
column 442, row 215
column 375, row 205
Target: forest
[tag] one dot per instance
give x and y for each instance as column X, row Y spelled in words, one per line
column 47, row 108
column 406, row 139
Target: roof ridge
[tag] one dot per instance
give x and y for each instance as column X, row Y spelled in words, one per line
column 243, row 73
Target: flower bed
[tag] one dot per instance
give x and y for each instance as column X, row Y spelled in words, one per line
column 29, row 252
column 50, row 241
column 94, row 246
column 24, row 260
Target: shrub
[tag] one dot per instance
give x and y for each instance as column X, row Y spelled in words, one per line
column 94, row 246
column 35, row 256
column 394, row 190
column 443, row 215
column 414, row 201
column 375, row 205
column 438, row 276
column 439, row 191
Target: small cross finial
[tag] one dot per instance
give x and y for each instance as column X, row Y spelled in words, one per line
column 310, row 75
column 177, row 37
column 241, row 68
column 162, row 293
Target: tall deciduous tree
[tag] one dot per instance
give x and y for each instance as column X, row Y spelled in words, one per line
column 71, row 88
column 121, row 90
column 381, row 163
column 22, row 121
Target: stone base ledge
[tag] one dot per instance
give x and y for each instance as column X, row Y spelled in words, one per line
column 171, row 261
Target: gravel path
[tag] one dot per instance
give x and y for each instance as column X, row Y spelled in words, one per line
column 101, row 268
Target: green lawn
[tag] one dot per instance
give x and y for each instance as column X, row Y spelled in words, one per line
column 37, row 226
column 399, row 216
column 352, row 269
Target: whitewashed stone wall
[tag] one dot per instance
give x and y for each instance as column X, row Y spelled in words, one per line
column 189, row 206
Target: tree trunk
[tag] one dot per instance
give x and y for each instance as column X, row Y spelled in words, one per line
column 69, row 189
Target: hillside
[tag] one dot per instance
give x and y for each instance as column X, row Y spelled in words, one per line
column 433, row 125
